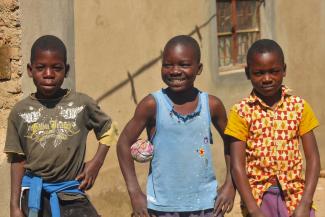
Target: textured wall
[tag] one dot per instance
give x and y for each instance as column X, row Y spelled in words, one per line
column 10, row 82
column 300, row 29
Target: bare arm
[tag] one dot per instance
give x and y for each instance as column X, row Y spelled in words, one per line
column 16, row 172
column 312, row 173
column 89, row 174
column 144, row 113
column 238, row 165
column 227, row 192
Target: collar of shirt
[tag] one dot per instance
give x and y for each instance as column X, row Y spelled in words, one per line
column 255, row 99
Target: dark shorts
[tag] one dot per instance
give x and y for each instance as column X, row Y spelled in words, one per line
column 68, row 208
column 201, row 213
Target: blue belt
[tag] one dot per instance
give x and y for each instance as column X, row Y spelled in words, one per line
column 36, row 185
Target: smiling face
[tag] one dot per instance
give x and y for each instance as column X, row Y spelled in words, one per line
column 266, row 72
column 48, row 71
column 180, row 66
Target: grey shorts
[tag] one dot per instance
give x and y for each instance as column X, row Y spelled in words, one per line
column 200, row 213
column 68, row 208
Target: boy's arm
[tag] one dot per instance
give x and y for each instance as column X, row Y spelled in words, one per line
column 312, row 173
column 106, row 133
column 144, row 112
column 227, row 192
column 238, row 169
column 16, row 172
column 91, row 168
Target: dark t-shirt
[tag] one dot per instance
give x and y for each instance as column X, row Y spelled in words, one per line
column 52, row 134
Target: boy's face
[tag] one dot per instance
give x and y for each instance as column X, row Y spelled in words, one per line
column 180, row 67
column 48, row 71
column 266, row 72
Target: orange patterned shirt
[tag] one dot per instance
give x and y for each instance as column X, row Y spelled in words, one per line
column 272, row 137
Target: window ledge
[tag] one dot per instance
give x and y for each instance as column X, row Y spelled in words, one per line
column 231, row 71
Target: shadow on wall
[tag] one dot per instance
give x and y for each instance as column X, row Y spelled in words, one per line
column 148, row 65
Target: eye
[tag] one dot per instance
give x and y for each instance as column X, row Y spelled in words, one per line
column 185, row 65
column 274, row 71
column 166, row 65
column 258, row 73
column 39, row 68
column 58, row 68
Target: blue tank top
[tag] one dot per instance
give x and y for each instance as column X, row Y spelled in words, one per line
column 181, row 176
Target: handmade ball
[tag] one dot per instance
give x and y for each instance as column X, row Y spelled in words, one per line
column 142, row 150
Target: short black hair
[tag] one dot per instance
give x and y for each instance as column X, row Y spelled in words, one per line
column 187, row 41
column 264, row 46
column 48, row 42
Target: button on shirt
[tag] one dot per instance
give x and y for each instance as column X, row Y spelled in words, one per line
column 272, row 138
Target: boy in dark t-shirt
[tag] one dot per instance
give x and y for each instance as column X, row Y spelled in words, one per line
column 46, row 140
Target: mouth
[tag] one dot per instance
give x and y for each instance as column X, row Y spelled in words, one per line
column 48, row 85
column 267, row 87
column 175, row 81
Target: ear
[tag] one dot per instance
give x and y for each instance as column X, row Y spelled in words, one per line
column 200, row 69
column 247, row 73
column 67, row 68
column 29, row 70
column 284, row 70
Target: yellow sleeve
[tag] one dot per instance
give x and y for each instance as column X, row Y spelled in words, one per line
column 308, row 120
column 110, row 136
column 236, row 127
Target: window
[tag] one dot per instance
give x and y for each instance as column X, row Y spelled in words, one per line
column 238, row 26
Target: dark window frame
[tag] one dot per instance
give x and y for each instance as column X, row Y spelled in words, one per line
column 234, row 32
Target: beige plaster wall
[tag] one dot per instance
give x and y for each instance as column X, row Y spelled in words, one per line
column 54, row 17
column 114, row 37
column 300, row 30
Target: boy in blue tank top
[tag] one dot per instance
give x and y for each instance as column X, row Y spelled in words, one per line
column 181, row 180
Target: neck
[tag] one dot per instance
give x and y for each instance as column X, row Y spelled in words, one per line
column 58, row 94
column 183, row 96
column 270, row 100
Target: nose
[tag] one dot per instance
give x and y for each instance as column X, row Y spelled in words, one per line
column 175, row 70
column 267, row 77
column 48, row 73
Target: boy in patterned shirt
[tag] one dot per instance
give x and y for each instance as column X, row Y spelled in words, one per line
column 46, row 140
column 265, row 129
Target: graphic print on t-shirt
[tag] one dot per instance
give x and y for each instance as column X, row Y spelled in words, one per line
column 51, row 128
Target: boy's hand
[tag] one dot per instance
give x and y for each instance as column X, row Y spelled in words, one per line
column 16, row 212
column 88, row 175
column 302, row 210
column 225, row 199
column 139, row 205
